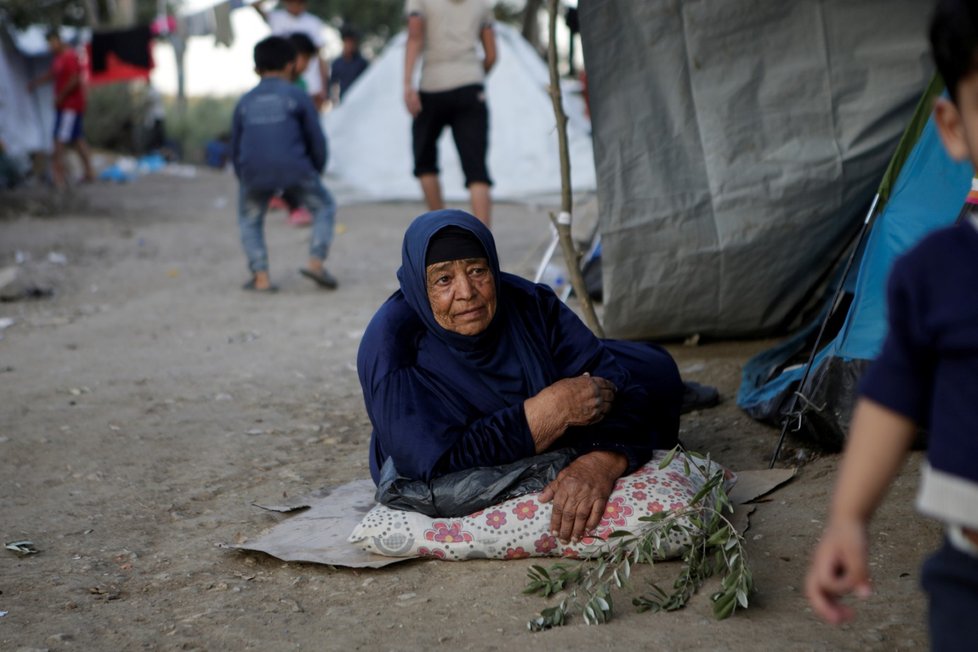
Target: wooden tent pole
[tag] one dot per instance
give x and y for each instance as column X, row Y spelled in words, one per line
column 562, row 222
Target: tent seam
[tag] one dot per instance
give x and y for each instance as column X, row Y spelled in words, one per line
column 706, row 167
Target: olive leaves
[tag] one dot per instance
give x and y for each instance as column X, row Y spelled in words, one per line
column 715, row 548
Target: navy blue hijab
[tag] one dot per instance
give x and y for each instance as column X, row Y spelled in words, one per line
column 503, row 355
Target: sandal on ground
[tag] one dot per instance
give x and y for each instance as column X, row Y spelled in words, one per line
column 300, row 217
column 250, row 287
column 322, row 278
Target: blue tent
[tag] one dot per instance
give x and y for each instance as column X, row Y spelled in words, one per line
column 928, row 194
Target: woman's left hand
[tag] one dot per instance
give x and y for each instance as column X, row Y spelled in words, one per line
column 580, row 492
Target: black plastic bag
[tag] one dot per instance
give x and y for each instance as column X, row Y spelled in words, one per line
column 464, row 492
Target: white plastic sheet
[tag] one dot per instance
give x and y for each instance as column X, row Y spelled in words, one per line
column 26, row 119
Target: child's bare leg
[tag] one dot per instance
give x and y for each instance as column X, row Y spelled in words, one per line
column 86, row 158
column 58, row 165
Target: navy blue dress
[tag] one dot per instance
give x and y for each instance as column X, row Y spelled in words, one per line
column 441, row 402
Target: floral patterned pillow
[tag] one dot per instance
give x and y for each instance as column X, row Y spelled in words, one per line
column 519, row 527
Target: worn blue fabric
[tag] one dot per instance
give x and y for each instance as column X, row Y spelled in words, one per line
column 441, row 402
column 276, row 139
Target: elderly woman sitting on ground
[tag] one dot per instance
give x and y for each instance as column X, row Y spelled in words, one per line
column 466, row 366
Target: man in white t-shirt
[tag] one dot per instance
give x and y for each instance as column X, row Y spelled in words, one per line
column 291, row 17
column 446, row 35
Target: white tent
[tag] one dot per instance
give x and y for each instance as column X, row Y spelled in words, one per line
column 370, row 133
column 26, row 119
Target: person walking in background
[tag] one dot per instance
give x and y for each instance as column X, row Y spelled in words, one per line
column 305, row 52
column 446, row 35
column 69, row 102
column 154, row 122
column 291, row 17
column 348, row 66
column 277, row 145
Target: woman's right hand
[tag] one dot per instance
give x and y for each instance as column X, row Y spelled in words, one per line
column 578, row 401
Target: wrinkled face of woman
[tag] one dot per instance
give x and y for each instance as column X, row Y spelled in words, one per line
column 462, row 294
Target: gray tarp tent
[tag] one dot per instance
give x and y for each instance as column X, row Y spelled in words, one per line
column 737, row 144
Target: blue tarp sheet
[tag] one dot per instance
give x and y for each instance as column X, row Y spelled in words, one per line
column 928, row 194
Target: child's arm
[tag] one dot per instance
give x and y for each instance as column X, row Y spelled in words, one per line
column 69, row 88
column 878, row 442
column 324, row 76
column 236, row 138
column 40, row 80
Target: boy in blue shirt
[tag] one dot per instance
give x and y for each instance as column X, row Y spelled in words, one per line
column 926, row 376
column 277, row 145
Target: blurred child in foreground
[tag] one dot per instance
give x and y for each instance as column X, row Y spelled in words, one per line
column 925, row 377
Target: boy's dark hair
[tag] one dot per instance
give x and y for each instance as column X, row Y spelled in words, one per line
column 954, row 41
column 52, row 32
column 350, row 32
column 273, row 54
column 302, row 43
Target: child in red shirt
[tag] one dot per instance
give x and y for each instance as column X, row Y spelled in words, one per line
column 69, row 103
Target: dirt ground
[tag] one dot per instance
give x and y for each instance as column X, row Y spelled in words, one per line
column 149, row 402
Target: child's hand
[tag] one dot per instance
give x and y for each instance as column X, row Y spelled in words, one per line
column 838, row 568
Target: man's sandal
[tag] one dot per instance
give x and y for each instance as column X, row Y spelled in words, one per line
column 322, row 278
column 250, row 287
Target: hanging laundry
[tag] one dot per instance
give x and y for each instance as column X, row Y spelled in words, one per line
column 162, row 25
column 198, row 24
column 119, row 55
column 223, row 32
column 128, row 45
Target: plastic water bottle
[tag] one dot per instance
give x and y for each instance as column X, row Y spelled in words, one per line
column 555, row 275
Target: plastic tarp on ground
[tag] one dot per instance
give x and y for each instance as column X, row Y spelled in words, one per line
column 928, row 194
column 370, row 132
column 737, row 145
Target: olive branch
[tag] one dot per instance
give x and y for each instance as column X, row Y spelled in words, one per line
column 714, row 547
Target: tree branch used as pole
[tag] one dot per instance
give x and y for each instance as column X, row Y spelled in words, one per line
column 563, row 221
column 180, row 54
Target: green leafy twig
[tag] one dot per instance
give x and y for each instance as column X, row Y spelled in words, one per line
column 715, row 546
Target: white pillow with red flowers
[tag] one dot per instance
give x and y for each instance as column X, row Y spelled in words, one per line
column 520, row 527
